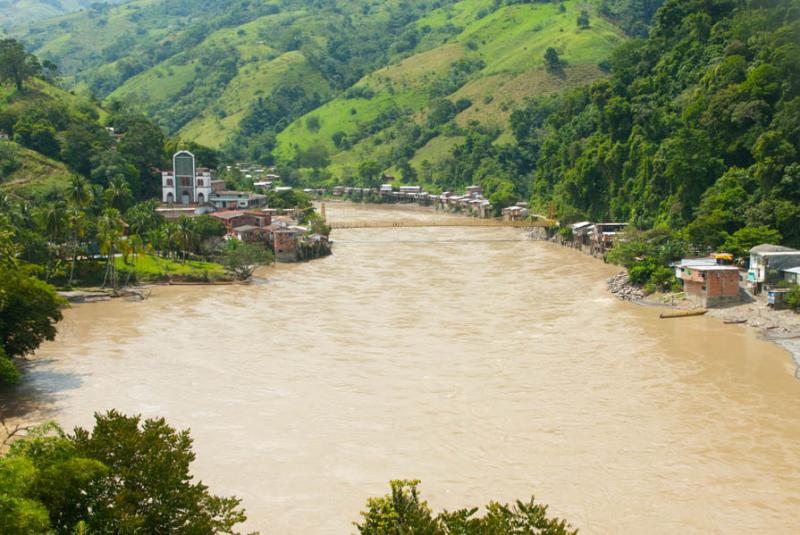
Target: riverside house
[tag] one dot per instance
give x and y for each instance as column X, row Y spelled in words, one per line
column 767, row 265
column 603, row 235
column 792, row 275
column 709, row 284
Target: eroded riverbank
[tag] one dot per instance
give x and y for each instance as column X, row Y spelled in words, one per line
column 488, row 366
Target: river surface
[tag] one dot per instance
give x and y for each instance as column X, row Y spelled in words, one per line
column 488, row 366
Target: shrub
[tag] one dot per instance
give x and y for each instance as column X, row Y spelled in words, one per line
column 793, row 298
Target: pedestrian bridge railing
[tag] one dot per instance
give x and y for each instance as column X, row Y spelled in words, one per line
column 444, row 222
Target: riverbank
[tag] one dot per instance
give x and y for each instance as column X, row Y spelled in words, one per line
column 342, row 374
column 780, row 327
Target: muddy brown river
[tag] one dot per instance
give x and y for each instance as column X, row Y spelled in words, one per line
column 486, row 365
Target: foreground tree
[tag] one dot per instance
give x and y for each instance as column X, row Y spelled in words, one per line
column 124, row 476
column 403, row 511
column 29, row 309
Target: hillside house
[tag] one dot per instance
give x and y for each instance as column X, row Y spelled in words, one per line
column 4, row 136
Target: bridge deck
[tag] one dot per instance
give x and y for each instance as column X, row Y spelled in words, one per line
column 448, row 222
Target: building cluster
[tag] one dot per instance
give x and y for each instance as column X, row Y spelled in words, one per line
column 189, row 191
column 596, row 238
column 713, row 281
column 472, row 202
column 187, row 185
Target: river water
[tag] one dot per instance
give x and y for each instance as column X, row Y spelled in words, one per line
column 488, row 366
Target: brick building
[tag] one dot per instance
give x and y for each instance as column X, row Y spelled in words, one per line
column 710, row 285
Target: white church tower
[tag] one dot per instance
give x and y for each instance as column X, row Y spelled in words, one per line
column 185, row 184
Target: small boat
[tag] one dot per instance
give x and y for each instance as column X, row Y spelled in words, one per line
column 683, row 313
column 734, row 322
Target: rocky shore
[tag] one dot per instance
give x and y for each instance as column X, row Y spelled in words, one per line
column 620, row 285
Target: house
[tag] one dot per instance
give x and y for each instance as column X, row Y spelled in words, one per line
column 792, row 275
column 230, row 200
column 767, row 263
column 249, row 233
column 285, row 242
column 602, row 236
column 580, row 234
column 474, row 190
column 237, row 218
column 514, row 213
column 411, row 189
column 4, row 136
column 710, row 285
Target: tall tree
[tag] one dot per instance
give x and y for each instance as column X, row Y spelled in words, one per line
column 16, row 65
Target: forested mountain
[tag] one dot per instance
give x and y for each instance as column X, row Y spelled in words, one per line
column 698, row 127
column 234, row 74
column 15, row 12
column 692, row 125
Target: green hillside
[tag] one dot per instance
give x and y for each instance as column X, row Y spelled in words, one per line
column 26, row 171
column 491, row 66
column 235, row 74
column 16, row 12
column 201, row 66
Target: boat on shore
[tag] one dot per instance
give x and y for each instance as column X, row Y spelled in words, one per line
column 683, row 313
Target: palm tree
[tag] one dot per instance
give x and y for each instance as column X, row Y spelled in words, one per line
column 76, row 222
column 169, row 236
column 109, row 232
column 118, row 192
column 186, row 235
column 54, row 218
column 78, row 193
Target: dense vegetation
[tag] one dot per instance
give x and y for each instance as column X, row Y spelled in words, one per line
column 16, row 12
column 695, row 131
column 403, row 511
column 76, row 189
column 236, row 74
column 124, row 476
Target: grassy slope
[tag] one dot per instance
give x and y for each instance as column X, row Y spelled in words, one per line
column 150, row 268
column 38, row 172
column 511, row 41
column 260, row 71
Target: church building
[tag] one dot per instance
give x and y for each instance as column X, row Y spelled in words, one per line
column 185, row 184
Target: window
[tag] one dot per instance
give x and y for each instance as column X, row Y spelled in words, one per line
column 186, row 181
column 199, row 183
column 169, row 182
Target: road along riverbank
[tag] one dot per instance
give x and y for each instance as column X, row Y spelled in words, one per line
column 488, row 366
